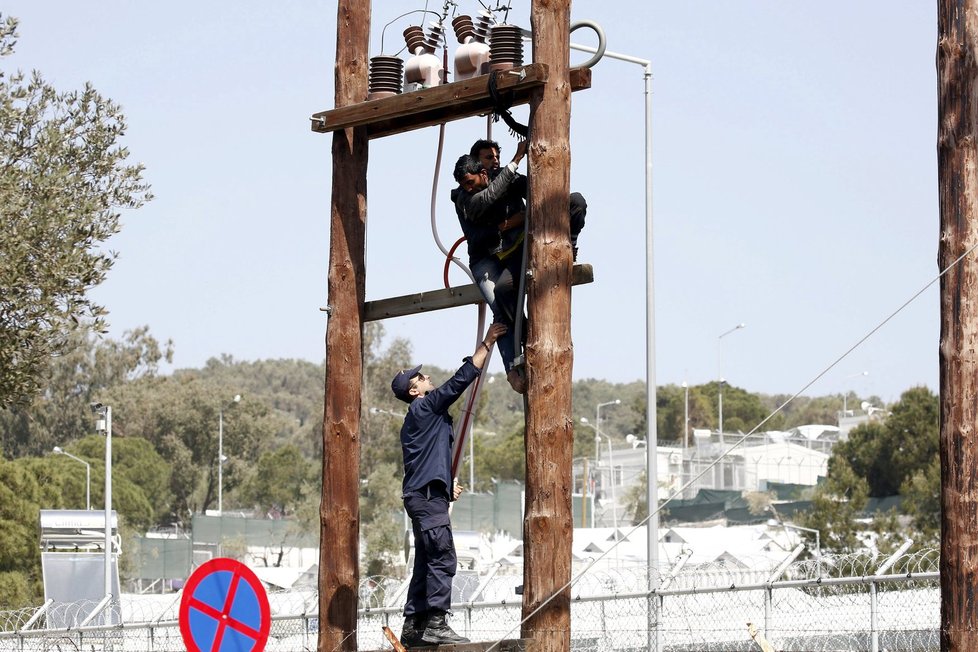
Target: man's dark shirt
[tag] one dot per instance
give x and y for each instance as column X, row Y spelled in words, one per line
column 479, row 214
column 427, row 434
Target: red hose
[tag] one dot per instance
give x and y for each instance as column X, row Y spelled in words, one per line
column 448, row 258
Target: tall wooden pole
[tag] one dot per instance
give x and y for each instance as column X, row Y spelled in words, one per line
column 339, row 511
column 957, row 156
column 548, row 526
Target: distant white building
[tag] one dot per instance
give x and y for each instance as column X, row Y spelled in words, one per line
column 751, row 468
column 798, row 456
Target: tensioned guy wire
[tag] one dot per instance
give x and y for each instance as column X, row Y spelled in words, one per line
column 738, row 443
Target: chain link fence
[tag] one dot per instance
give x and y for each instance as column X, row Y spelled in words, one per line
column 831, row 603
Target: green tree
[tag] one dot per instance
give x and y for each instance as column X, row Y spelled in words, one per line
column 888, row 453
column 281, row 481
column 140, row 479
column 502, row 457
column 922, row 491
column 884, row 458
column 742, row 411
column 89, row 367
column 382, row 518
column 836, row 506
column 179, row 416
column 20, row 577
column 63, row 180
column 30, row 484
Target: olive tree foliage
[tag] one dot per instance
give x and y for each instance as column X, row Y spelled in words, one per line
column 63, row 180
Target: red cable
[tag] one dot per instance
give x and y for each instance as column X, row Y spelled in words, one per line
column 448, row 258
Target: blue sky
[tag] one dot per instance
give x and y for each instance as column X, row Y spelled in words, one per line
column 795, row 184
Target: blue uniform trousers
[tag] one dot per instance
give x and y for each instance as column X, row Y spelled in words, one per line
column 434, row 551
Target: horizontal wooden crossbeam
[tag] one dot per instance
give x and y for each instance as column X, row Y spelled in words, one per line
column 460, row 295
column 438, row 104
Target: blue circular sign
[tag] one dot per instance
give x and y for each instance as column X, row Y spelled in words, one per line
column 224, row 608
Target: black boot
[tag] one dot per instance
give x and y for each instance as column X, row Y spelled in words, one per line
column 413, row 629
column 438, row 631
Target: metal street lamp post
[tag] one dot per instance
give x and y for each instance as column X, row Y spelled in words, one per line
column 103, row 424
column 220, row 454
column 88, row 475
column 614, row 497
column 686, row 415
column 720, row 375
column 597, row 426
column 611, row 461
column 652, row 436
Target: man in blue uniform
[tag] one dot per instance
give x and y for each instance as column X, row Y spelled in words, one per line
column 426, row 443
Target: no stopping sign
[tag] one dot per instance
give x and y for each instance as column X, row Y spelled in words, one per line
column 224, row 608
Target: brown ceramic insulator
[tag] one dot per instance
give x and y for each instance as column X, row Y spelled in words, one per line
column 436, row 36
column 505, row 47
column 482, row 25
column 463, row 28
column 414, row 37
column 386, row 77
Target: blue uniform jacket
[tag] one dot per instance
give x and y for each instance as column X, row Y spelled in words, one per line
column 427, row 434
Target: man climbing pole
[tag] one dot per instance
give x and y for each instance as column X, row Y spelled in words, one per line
column 490, row 203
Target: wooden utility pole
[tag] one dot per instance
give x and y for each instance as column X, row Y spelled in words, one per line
column 548, row 527
column 339, row 511
column 957, row 164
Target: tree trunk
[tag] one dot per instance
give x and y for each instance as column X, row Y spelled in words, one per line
column 548, row 527
column 339, row 511
column 958, row 188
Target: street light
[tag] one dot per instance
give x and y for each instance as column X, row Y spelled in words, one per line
column 220, row 453
column 686, row 415
column 845, row 396
column 597, row 426
column 88, row 475
column 611, row 462
column 614, row 497
column 103, row 424
column 652, row 437
column 720, row 374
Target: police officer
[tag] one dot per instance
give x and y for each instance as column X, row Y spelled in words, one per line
column 426, row 443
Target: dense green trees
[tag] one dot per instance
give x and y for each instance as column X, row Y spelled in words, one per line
column 63, row 180
column 895, row 456
column 29, row 484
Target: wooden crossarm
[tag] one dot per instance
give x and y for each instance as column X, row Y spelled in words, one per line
column 460, row 295
column 438, row 104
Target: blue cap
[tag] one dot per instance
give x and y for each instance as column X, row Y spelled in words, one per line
column 402, row 383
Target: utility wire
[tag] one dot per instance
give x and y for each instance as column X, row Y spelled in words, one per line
column 737, row 444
